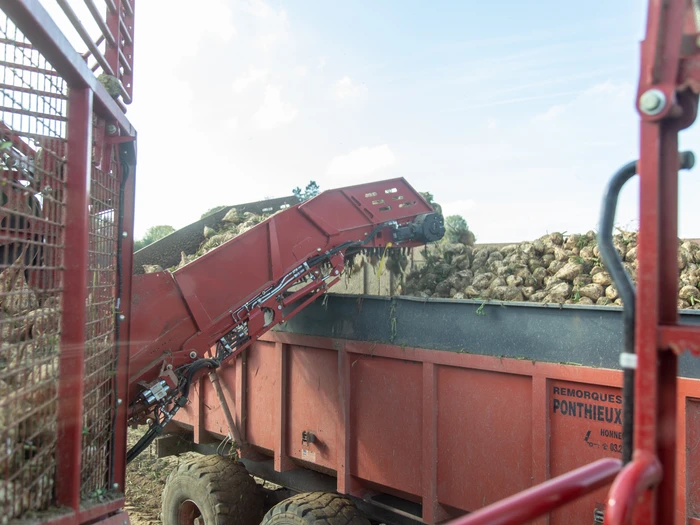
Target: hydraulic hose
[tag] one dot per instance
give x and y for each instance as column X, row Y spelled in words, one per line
column 157, row 428
column 613, row 262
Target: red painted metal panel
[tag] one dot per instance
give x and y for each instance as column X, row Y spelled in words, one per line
column 484, row 432
column 386, row 419
column 222, row 278
column 692, row 459
column 174, row 322
column 312, row 403
column 468, row 399
column 213, row 417
column 261, row 377
column 487, row 442
column 536, row 501
column 585, row 425
column 433, row 512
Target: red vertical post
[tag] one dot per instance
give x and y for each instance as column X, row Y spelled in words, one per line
column 240, row 393
column 344, row 434
column 282, row 461
column 667, row 382
column 655, row 379
column 71, row 362
column 540, row 434
column 647, row 301
column 433, row 512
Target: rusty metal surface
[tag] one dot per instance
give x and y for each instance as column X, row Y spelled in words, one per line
column 166, row 252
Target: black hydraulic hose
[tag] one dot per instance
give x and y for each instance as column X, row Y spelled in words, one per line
column 157, row 428
column 142, row 443
column 193, row 369
column 625, row 287
column 623, row 282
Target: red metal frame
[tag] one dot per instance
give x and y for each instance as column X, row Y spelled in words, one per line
column 546, row 497
column 669, row 64
column 72, row 361
column 87, row 97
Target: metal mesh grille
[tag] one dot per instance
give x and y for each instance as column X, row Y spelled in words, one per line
column 100, row 348
column 32, row 197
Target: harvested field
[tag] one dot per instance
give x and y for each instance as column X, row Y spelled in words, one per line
column 145, row 479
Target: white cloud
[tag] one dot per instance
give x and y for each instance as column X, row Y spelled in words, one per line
column 345, row 88
column 301, row 71
column 552, row 113
column 605, row 94
column 273, row 113
column 492, row 123
column 361, row 163
column 246, row 79
column 257, row 8
column 270, row 25
column 460, row 207
column 322, row 62
column 267, row 41
column 231, row 124
column 219, row 20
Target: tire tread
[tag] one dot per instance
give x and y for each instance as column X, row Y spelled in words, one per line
column 315, row 508
column 227, row 486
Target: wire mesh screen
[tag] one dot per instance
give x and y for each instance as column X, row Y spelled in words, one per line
column 32, row 197
column 100, row 348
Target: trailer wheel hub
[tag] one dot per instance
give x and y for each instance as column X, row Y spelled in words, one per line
column 189, row 514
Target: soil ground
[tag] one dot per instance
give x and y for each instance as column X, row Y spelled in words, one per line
column 145, row 479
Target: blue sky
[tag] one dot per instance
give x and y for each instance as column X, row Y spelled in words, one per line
column 512, row 114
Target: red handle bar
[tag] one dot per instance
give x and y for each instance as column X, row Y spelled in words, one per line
column 545, row 497
column 641, row 473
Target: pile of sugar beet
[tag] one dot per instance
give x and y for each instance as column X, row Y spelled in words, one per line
column 556, row 268
column 28, row 372
column 231, row 225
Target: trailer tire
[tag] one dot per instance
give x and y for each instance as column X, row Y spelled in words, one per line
column 315, row 508
column 215, row 488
